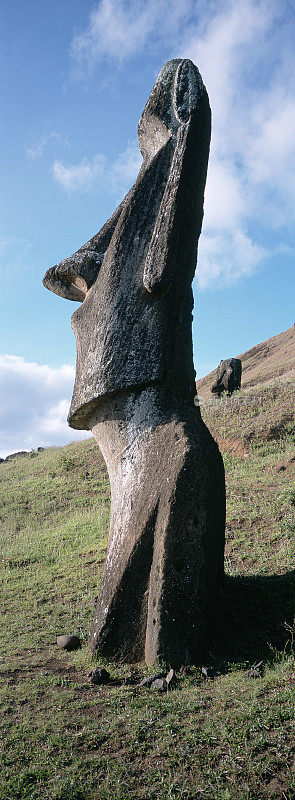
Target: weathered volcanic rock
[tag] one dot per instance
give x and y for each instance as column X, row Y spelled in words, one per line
column 99, row 677
column 149, row 679
column 228, row 376
column 171, row 678
column 135, row 389
column 68, row 642
column 159, row 685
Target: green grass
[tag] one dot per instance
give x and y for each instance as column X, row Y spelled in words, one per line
column 231, row 738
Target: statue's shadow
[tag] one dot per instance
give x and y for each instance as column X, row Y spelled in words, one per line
column 254, row 619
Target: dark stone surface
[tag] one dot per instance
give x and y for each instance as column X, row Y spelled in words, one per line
column 134, row 326
column 99, row 677
column 208, row 672
column 68, row 642
column 159, row 685
column 149, row 679
column 135, row 388
column 164, row 561
column 256, row 670
column 228, row 376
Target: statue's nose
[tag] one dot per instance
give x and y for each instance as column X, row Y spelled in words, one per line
column 74, row 276
column 60, row 283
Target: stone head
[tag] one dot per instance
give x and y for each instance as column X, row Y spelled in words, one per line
column 172, row 101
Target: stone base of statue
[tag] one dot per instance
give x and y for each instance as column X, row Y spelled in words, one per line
column 164, row 562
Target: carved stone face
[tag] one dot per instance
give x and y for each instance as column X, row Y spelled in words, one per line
column 171, row 101
column 134, row 276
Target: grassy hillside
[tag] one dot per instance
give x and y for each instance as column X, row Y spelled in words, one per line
column 227, row 738
column 272, row 359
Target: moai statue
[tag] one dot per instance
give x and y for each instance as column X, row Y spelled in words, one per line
column 228, row 376
column 135, row 389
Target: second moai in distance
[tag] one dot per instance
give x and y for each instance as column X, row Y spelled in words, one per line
column 228, row 376
column 135, row 389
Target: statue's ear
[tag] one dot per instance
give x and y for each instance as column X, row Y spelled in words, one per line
column 187, row 98
column 188, row 88
column 160, row 264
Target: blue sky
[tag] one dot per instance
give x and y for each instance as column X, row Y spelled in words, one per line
column 74, row 79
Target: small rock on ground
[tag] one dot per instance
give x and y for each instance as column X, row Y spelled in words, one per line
column 171, row 677
column 209, row 672
column 149, row 679
column 256, row 670
column 68, row 642
column 99, row 677
column 160, row 685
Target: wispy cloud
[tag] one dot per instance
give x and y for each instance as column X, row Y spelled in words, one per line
column 34, row 402
column 244, row 50
column 226, row 257
column 15, row 256
column 244, row 55
column 36, row 150
column 119, row 30
column 99, row 172
column 79, row 177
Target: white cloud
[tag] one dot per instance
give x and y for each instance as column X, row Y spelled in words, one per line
column 119, row 30
column 100, row 173
column 246, row 62
column 272, row 150
column 15, row 257
column 37, row 149
column 225, row 201
column 79, row 177
column 245, row 52
column 226, row 257
column 34, row 404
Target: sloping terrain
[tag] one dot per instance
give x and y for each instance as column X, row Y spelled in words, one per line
column 249, row 418
column 272, row 359
column 229, row 737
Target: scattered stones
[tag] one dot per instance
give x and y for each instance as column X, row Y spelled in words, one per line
column 158, row 682
column 149, row 679
column 160, row 685
column 171, row 678
column 208, row 673
column 256, row 670
column 68, row 642
column 99, row 677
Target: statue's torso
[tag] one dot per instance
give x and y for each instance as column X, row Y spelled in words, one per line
column 127, row 337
